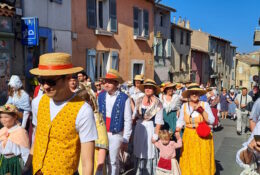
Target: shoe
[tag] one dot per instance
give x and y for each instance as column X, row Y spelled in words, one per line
column 239, row 133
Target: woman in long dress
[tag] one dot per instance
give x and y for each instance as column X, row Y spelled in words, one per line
column 197, row 155
column 171, row 105
column 149, row 114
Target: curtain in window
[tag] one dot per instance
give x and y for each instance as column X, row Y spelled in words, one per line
column 114, row 56
column 91, row 13
column 113, row 17
column 136, row 21
column 91, row 63
column 146, row 22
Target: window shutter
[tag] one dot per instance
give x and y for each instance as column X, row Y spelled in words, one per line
column 136, row 21
column 146, row 22
column 114, row 56
column 91, row 63
column 168, row 48
column 155, row 46
column 91, row 13
column 113, row 16
column 160, row 47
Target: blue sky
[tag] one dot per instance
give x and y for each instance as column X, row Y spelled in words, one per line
column 234, row 20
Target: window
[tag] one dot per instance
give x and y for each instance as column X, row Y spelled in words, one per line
column 181, row 41
column 141, row 22
column 138, row 69
column 57, row 1
column 96, row 64
column 240, row 83
column 173, row 35
column 186, row 63
column 161, row 20
column 181, row 62
column 101, row 14
column 187, row 39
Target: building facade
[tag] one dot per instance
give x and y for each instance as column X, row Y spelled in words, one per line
column 200, row 63
column 162, row 43
column 181, row 51
column 54, row 30
column 113, row 34
column 11, row 49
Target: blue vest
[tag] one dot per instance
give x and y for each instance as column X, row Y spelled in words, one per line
column 117, row 116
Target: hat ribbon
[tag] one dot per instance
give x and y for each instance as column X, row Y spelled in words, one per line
column 108, row 75
column 191, row 87
column 55, row 67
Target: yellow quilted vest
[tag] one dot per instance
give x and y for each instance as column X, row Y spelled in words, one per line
column 57, row 144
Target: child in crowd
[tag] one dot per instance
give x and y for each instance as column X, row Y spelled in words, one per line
column 167, row 164
column 14, row 142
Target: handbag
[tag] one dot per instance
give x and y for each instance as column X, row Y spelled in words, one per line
column 203, row 129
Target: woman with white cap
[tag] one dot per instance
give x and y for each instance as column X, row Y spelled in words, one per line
column 232, row 105
column 149, row 114
column 19, row 98
column 197, row 155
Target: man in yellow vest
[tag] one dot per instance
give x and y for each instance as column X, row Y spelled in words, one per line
column 65, row 125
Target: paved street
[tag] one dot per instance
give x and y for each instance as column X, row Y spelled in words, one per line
column 227, row 143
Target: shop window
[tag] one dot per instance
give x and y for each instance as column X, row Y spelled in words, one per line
column 6, row 24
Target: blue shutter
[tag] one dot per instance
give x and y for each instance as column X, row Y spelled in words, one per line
column 91, row 13
column 146, row 22
column 114, row 56
column 136, row 21
column 91, row 63
column 113, row 16
column 160, row 47
column 168, row 48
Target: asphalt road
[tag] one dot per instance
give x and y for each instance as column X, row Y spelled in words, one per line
column 227, row 143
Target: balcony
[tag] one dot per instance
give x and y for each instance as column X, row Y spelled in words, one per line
column 257, row 37
column 103, row 32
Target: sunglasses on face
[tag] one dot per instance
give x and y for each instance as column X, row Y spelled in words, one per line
column 50, row 82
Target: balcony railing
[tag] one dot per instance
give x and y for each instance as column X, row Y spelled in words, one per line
column 257, row 37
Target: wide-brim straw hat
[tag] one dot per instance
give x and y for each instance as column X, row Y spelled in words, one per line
column 113, row 75
column 139, row 78
column 168, row 85
column 9, row 108
column 193, row 87
column 150, row 82
column 179, row 86
column 52, row 64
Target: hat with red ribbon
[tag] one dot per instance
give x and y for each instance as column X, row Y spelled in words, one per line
column 52, row 64
column 114, row 75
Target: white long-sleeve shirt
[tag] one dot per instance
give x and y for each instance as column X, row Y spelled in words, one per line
column 110, row 100
column 181, row 122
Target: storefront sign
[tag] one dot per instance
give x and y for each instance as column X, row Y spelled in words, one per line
column 30, row 31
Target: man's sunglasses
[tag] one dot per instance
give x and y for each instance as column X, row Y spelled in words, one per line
column 50, row 82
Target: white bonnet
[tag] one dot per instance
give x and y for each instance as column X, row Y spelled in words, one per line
column 15, row 82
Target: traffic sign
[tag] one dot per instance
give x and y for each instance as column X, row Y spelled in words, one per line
column 30, row 31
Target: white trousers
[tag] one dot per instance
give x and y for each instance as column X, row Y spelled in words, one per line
column 115, row 141
column 242, row 120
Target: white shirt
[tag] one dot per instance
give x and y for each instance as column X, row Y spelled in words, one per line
column 12, row 148
column 245, row 99
column 181, row 122
column 136, row 93
column 110, row 100
column 85, row 121
column 173, row 104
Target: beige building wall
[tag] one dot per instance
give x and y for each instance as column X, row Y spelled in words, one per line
column 200, row 40
column 180, row 69
column 243, row 73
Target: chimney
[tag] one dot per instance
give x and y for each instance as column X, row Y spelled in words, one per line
column 179, row 20
column 174, row 18
column 188, row 24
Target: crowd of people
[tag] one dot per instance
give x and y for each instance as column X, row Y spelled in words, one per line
column 72, row 125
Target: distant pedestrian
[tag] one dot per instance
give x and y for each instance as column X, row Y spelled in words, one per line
column 242, row 112
column 232, row 105
column 224, row 104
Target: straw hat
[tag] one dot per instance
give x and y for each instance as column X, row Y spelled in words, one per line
column 55, row 64
column 150, row 82
column 9, row 108
column 168, row 85
column 139, row 78
column 193, row 87
column 113, row 75
column 179, row 86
